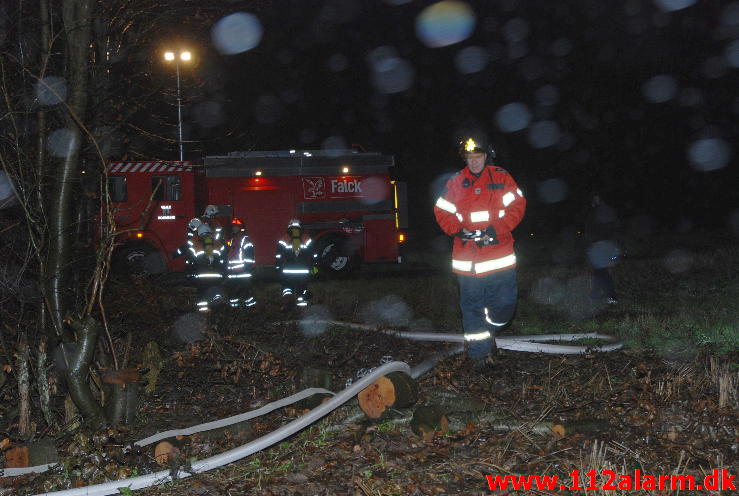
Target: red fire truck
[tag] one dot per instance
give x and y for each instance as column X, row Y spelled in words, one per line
column 346, row 200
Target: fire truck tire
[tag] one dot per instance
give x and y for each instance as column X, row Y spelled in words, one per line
column 138, row 260
column 336, row 257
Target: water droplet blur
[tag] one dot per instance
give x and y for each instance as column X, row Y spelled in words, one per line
column 513, row 117
column 445, row 23
column 390, row 74
column 561, row 47
column 209, row 114
column 547, row 95
column 660, row 89
column 732, row 54
column 237, row 33
column 471, row 59
column 603, row 253
column 734, row 222
column 61, row 142
column 7, row 197
column 552, row 190
column 309, row 326
column 548, row 291
column 388, row 310
column 337, row 62
column 709, row 154
column 516, row 30
column 678, row 260
column 268, row 109
column 51, row 90
column 336, row 143
column 544, row 134
column 730, row 15
column 374, row 190
column 674, row 5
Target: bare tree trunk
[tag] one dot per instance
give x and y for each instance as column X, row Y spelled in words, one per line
column 24, row 390
column 77, row 17
column 77, row 374
column 42, row 384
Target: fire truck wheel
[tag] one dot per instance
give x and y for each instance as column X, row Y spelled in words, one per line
column 139, row 260
column 336, row 256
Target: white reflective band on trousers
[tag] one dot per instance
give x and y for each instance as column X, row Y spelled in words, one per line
column 490, row 321
column 486, row 266
column 243, row 451
column 295, row 271
column 208, row 275
column 239, row 276
column 478, row 336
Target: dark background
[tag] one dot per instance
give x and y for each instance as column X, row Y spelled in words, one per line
column 629, row 87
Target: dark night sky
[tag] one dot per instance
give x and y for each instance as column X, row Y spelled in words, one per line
column 635, row 98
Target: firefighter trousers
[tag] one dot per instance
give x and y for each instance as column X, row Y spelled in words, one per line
column 487, row 304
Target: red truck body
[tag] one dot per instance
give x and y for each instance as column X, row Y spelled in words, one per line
column 346, row 200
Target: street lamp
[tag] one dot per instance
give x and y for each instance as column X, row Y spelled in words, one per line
column 176, row 57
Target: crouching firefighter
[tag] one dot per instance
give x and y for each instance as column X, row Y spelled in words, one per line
column 480, row 206
column 240, row 267
column 295, row 263
column 209, row 268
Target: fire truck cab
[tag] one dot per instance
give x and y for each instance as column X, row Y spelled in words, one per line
column 346, row 200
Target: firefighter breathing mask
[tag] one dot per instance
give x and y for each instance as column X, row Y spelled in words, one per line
column 194, row 224
column 295, row 231
column 211, row 211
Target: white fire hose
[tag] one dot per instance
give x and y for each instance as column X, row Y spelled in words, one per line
column 529, row 343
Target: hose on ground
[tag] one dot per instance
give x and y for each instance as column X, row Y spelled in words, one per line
column 526, row 343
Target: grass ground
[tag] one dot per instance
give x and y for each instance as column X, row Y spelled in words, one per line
column 670, row 400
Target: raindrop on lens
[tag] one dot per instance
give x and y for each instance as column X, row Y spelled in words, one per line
column 471, row 59
column 732, row 54
column 445, row 23
column 552, row 190
column 513, row 117
column 678, row 260
column 674, row 5
column 544, row 134
column 237, row 33
column 709, row 154
column 51, row 90
column 660, row 89
column 61, row 142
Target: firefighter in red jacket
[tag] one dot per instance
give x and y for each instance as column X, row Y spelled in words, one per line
column 240, row 266
column 295, row 262
column 479, row 207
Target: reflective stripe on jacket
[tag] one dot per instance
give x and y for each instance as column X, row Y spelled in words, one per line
column 491, row 202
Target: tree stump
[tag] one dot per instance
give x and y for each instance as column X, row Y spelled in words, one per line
column 428, row 419
column 395, row 390
column 313, row 378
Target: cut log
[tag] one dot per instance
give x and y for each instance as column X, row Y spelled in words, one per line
column 121, row 377
column 585, row 426
column 41, row 452
column 395, row 390
column 168, row 450
column 427, row 419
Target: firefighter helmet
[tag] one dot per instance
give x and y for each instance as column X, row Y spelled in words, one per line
column 211, row 211
column 479, row 145
column 194, row 224
column 294, row 228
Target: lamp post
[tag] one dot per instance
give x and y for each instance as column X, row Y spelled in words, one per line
column 176, row 57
